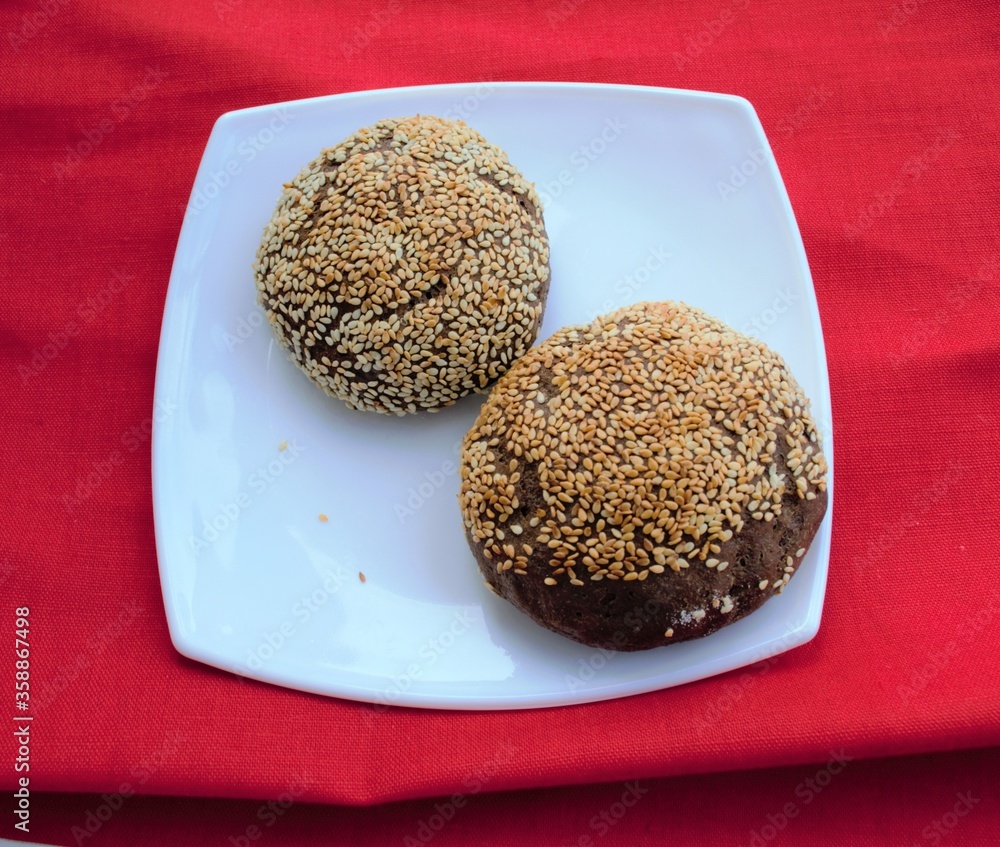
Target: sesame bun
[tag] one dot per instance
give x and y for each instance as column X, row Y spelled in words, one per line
column 643, row 480
column 405, row 267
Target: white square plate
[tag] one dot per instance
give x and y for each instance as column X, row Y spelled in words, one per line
column 649, row 194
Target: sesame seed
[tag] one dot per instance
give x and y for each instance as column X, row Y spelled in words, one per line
column 406, row 266
column 645, row 442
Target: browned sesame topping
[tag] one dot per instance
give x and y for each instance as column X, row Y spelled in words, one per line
column 655, row 445
column 361, row 576
column 405, row 267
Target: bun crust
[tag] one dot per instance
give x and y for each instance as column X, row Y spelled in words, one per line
column 643, row 480
column 405, row 267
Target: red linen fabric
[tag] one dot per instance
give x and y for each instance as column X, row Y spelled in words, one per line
column 946, row 799
column 883, row 117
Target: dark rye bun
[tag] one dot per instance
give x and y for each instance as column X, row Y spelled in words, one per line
column 405, row 267
column 643, row 480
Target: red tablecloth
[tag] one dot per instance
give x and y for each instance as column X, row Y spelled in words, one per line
column 947, row 799
column 884, row 119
